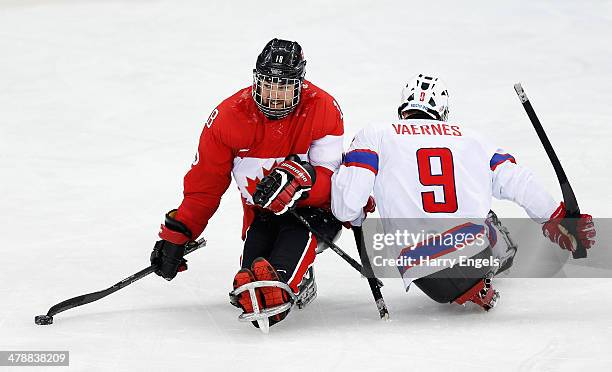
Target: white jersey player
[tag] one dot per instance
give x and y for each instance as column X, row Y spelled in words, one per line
column 424, row 167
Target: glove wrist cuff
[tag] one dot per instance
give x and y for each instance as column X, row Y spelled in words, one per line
column 558, row 213
column 174, row 231
column 172, row 236
column 302, row 172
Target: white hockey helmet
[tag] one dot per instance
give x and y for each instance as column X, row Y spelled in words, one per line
column 425, row 93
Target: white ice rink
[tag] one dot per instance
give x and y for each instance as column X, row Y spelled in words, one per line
column 101, row 107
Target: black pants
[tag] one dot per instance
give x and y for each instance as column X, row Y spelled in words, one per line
column 449, row 284
column 286, row 243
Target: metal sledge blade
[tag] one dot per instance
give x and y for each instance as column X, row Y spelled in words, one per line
column 261, row 316
column 264, row 325
column 307, row 293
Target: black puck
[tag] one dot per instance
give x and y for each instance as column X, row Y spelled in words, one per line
column 43, row 319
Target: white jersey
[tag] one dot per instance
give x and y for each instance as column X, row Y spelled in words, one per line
column 432, row 173
column 428, row 168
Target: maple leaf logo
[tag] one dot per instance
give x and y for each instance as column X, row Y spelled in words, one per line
column 252, row 183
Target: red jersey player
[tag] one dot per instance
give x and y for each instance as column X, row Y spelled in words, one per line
column 252, row 136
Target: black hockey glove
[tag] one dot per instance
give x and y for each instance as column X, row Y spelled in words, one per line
column 168, row 253
column 322, row 221
column 285, row 185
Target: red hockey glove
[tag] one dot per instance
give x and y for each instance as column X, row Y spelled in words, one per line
column 288, row 182
column 585, row 230
column 168, row 253
column 370, row 207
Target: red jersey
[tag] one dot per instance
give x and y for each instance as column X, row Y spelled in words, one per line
column 239, row 140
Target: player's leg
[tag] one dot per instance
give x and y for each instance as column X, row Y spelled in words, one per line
column 289, row 261
column 276, row 248
column 293, row 252
column 270, row 296
column 258, row 243
column 260, row 238
column 291, row 258
column 295, row 248
column 461, row 284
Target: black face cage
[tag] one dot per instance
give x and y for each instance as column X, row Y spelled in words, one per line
column 272, row 94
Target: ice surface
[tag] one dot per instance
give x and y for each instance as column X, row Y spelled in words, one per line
column 101, row 106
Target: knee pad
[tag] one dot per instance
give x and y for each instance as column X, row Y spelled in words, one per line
column 324, row 223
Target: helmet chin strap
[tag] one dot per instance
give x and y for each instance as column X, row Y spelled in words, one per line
column 274, row 114
column 276, row 117
column 418, row 114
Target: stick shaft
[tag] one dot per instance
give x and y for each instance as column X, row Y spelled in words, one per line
column 369, row 273
column 95, row 296
column 333, row 246
column 569, row 198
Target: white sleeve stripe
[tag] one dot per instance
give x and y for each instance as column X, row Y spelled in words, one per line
column 327, row 140
column 326, row 152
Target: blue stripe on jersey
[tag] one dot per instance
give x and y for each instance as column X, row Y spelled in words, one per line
column 362, row 158
column 497, row 159
column 445, row 243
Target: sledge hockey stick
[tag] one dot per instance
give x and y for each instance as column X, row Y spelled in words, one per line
column 333, row 246
column 95, row 296
column 369, row 273
column 571, row 204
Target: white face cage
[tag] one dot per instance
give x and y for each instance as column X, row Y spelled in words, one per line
column 276, row 97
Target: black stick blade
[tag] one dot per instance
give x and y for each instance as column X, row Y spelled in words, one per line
column 43, row 319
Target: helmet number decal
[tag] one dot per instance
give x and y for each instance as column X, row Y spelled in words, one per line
column 422, row 96
column 444, row 176
column 211, row 118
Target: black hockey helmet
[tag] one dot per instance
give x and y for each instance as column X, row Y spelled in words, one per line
column 277, row 78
